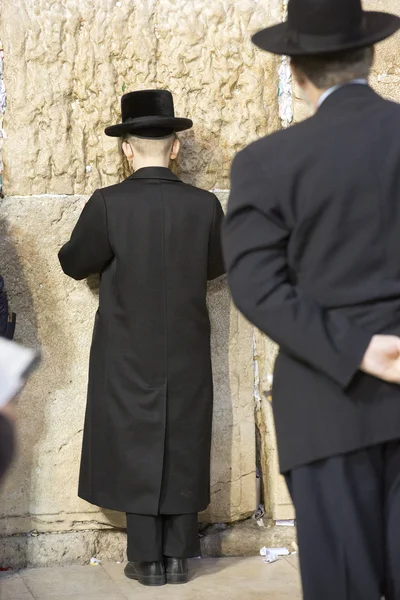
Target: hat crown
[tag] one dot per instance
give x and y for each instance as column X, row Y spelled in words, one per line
column 147, row 103
column 148, row 113
column 324, row 17
column 326, row 26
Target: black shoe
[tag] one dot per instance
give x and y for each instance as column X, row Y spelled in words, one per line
column 177, row 570
column 146, row 573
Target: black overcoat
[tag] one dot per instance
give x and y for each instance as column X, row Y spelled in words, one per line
column 156, row 241
column 312, row 242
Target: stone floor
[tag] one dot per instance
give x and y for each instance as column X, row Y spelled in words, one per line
column 222, row 579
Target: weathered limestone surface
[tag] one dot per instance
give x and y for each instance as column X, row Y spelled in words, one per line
column 68, row 62
column 386, row 73
column 56, row 314
column 277, row 500
column 46, row 550
column 66, row 65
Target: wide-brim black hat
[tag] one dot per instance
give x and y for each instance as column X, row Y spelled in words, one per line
column 148, row 113
column 325, row 26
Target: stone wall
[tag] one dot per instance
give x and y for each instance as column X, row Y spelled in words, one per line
column 56, row 313
column 66, row 66
column 68, row 62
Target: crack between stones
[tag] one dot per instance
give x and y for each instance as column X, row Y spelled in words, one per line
column 36, row 533
column 221, row 483
column 285, row 87
column 157, row 38
column 38, row 515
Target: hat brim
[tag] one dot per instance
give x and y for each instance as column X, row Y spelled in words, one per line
column 141, row 123
column 280, row 39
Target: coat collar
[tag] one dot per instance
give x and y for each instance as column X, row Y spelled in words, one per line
column 154, row 173
column 356, row 95
column 334, row 88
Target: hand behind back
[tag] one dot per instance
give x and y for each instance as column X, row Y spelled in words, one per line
column 382, row 358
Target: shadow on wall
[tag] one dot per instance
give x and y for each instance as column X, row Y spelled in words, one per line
column 198, row 155
column 27, row 262
column 196, row 152
column 21, row 302
column 222, row 452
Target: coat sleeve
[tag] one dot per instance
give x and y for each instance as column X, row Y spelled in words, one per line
column 256, row 239
column 88, row 252
column 216, row 266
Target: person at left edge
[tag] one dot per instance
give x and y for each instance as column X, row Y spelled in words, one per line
column 155, row 241
column 7, row 417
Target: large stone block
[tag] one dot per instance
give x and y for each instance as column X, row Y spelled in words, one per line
column 56, row 314
column 233, row 489
column 65, row 548
column 67, row 63
column 386, row 71
column 278, row 505
column 66, row 66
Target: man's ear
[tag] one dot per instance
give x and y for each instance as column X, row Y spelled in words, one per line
column 127, row 150
column 176, row 146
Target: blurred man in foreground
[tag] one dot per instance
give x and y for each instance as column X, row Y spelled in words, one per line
column 312, row 242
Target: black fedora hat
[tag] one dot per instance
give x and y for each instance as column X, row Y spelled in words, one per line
column 324, row 26
column 148, row 113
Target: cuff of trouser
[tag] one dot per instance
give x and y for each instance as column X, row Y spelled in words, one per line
column 193, row 552
column 144, row 557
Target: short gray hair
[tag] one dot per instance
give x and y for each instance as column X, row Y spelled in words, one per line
column 150, row 146
column 328, row 70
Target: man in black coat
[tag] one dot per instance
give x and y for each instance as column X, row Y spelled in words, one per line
column 312, row 242
column 156, row 242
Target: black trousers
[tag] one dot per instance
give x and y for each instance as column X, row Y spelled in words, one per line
column 151, row 538
column 348, row 525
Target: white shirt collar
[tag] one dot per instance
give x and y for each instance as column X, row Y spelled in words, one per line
column 327, row 93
